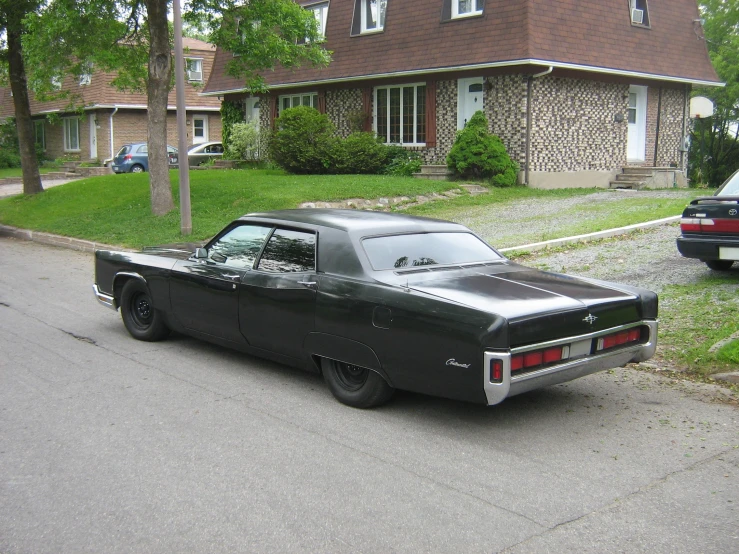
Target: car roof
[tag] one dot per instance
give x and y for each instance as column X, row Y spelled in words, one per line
column 357, row 221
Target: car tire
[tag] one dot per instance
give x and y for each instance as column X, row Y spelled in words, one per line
column 137, row 168
column 355, row 386
column 719, row 265
column 142, row 320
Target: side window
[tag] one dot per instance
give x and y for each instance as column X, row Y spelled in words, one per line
column 289, row 252
column 240, row 246
column 143, row 149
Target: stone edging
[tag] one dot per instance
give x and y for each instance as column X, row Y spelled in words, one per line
column 56, row 240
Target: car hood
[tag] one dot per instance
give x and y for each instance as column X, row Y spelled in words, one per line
column 538, row 305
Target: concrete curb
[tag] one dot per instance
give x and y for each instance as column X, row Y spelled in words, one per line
column 590, row 236
column 57, row 240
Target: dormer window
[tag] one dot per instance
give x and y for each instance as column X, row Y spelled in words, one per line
column 466, row 8
column 639, row 13
column 320, row 11
column 373, row 15
column 194, row 69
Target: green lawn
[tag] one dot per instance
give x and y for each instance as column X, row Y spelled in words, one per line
column 16, row 171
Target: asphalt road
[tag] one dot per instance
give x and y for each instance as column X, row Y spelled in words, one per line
column 112, row 445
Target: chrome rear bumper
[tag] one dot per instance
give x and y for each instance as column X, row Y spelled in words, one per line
column 566, row 371
column 105, row 299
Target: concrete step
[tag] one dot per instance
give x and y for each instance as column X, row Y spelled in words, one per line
column 474, row 190
column 635, row 185
column 431, row 176
column 436, row 169
column 631, row 177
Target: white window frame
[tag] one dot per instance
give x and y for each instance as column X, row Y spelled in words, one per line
column 204, row 126
column 320, row 12
column 415, row 113
column 56, row 82
column 297, row 100
column 643, row 6
column 85, row 79
column 39, row 131
column 475, row 8
column 379, row 23
column 196, row 62
column 71, row 134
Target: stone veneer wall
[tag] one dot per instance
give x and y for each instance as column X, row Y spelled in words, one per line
column 574, row 127
column 505, row 108
column 341, row 103
column 670, row 127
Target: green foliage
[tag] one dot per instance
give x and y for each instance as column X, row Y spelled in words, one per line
column 9, row 159
column 231, row 113
column 245, row 142
column 356, row 120
column 478, row 154
column 359, row 153
column 401, row 161
column 714, row 148
column 9, row 135
column 303, row 141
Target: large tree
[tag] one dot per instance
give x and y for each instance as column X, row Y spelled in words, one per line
column 714, row 151
column 12, row 25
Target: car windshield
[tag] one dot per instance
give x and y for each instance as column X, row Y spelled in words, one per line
column 731, row 186
column 426, row 249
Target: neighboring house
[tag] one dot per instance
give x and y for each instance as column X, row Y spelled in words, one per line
column 576, row 90
column 112, row 118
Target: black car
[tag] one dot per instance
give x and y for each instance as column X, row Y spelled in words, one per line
column 378, row 302
column 710, row 227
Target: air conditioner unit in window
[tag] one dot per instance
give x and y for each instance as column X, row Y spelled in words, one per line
column 195, row 75
column 637, row 16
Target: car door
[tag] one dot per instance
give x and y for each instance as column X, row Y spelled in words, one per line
column 205, row 292
column 277, row 300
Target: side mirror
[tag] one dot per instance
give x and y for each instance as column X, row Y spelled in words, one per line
column 201, row 254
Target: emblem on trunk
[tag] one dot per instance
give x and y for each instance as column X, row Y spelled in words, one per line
column 732, row 211
column 452, row 361
column 590, row 319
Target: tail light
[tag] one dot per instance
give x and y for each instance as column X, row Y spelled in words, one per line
column 696, row 224
column 496, row 371
column 127, row 157
column 539, row 357
column 618, row 339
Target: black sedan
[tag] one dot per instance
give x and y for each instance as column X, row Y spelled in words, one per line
column 377, row 302
column 710, row 227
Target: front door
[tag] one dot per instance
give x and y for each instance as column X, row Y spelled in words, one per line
column 637, row 117
column 469, row 99
column 93, row 136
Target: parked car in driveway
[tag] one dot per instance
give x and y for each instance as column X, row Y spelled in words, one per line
column 377, row 302
column 710, row 227
column 134, row 158
column 199, row 153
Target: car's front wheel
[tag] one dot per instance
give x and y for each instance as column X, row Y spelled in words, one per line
column 137, row 169
column 142, row 320
column 355, row 386
column 719, row 265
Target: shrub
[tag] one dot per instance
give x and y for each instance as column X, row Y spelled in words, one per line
column 402, row 162
column 245, row 142
column 358, row 153
column 303, row 141
column 9, row 158
column 478, row 154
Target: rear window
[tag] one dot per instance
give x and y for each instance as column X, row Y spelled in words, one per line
column 426, row 249
column 730, row 187
column 125, row 150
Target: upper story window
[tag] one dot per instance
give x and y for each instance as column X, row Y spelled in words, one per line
column 320, row 12
column 194, row 69
column 372, row 15
column 639, row 13
column 86, row 75
column 56, row 82
column 400, row 114
column 309, row 99
column 466, row 8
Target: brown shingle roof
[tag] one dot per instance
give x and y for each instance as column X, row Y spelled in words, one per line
column 597, row 34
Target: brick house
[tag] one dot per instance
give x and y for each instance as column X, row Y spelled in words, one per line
column 112, row 118
column 576, row 90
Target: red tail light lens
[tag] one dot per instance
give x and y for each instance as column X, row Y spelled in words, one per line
column 496, row 371
column 695, row 224
column 538, row 358
column 618, row 339
column 127, row 157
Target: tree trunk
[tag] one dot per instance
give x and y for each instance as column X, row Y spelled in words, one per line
column 160, row 75
column 19, row 87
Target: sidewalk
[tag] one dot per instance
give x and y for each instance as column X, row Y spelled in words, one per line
column 17, row 188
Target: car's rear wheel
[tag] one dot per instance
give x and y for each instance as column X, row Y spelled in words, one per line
column 142, row 320
column 355, row 386
column 137, row 169
column 719, row 265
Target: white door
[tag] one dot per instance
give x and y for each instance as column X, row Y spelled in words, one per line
column 251, row 110
column 469, row 99
column 637, row 117
column 93, row 137
column 199, row 129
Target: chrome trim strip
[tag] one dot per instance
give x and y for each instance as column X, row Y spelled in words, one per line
column 593, row 335
column 572, row 369
column 105, row 299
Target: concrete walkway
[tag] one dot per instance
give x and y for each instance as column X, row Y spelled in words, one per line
column 17, row 188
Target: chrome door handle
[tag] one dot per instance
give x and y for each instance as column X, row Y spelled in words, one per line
column 308, row 284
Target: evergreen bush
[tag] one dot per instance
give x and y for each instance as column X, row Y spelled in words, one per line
column 480, row 155
column 359, row 153
column 303, row 141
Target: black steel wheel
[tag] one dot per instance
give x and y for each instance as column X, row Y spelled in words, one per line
column 142, row 320
column 355, row 386
column 719, row 265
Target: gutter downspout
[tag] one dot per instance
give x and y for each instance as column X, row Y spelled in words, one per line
column 112, row 152
column 529, row 86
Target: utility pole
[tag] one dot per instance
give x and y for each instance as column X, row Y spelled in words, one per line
column 179, row 66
